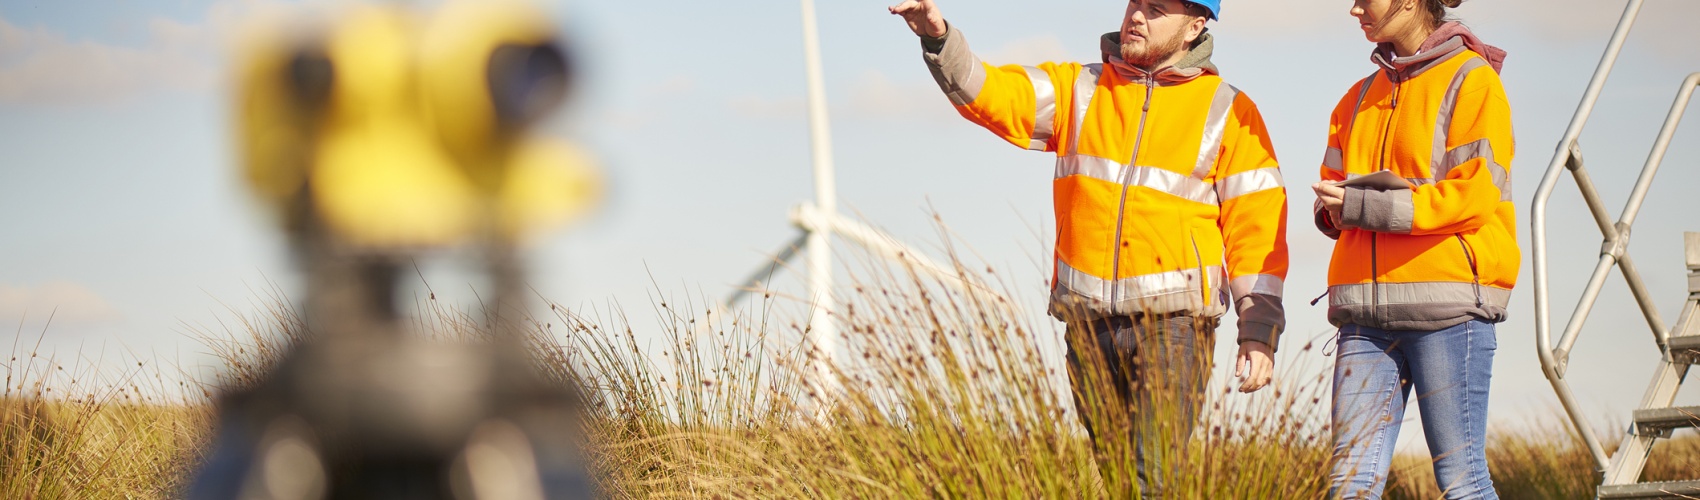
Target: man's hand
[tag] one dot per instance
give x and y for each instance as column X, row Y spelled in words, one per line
column 1332, row 198
column 923, row 17
column 1254, row 366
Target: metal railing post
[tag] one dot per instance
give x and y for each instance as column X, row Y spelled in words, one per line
column 1567, row 152
column 1632, row 208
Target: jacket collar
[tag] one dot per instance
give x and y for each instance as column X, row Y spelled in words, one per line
column 1447, row 41
column 1196, row 63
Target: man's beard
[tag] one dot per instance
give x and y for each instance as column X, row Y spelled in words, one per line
column 1156, row 51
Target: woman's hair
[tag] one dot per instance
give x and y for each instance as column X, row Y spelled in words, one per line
column 1437, row 10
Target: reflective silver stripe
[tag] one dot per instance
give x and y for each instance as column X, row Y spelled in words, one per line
column 1084, row 86
column 1481, row 148
column 1184, row 186
column 1262, row 284
column 1250, row 181
column 1166, row 181
column 1428, row 292
column 1363, row 90
column 1158, row 293
column 1044, row 105
column 1215, row 126
column 1090, row 166
column 1443, row 119
column 1402, row 211
column 1332, row 160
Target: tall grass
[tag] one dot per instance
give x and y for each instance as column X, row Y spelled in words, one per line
column 1542, row 460
column 72, row 432
column 935, row 392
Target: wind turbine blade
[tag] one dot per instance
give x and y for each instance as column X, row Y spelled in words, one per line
column 759, row 278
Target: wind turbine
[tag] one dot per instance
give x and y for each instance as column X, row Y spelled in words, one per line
column 819, row 220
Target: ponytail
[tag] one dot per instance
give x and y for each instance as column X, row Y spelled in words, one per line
column 1437, row 10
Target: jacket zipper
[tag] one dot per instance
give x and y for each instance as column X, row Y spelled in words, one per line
column 1127, row 177
column 1374, row 237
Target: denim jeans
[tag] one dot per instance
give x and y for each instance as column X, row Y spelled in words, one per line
column 1157, row 370
column 1373, row 376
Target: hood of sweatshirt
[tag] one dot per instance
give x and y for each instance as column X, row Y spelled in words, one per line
column 1194, row 64
column 1446, row 41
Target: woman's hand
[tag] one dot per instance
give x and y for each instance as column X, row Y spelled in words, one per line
column 1255, row 365
column 1332, row 197
column 923, row 17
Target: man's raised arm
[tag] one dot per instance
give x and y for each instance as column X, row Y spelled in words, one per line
column 1022, row 104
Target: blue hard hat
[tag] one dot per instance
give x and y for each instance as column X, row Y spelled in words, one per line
column 1215, row 7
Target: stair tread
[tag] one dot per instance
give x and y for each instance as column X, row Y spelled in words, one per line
column 1685, row 349
column 1685, row 342
column 1663, row 489
column 1676, row 416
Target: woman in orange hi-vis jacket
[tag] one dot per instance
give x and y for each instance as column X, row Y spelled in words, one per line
column 1422, row 269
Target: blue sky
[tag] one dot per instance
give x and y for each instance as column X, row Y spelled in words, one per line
column 119, row 203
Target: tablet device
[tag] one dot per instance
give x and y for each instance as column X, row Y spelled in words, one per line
column 1384, row 180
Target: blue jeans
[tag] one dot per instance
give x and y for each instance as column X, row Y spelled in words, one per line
column 1156, row 370
column 1373, row 376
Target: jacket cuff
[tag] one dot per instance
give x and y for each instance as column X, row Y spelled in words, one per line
column 1259, row 332
column 934, row 45
column 1325, row 223
column 1261, row 318
column 1379, row 211
column 954, row 67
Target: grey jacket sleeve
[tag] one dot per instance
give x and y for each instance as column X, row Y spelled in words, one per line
column 957, row 71
column 1261, row 318
column 1379, row 211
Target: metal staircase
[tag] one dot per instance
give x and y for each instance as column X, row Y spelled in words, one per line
column 1679, row 347
column 1656, row 418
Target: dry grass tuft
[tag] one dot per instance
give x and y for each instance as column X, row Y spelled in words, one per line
column 64, row 433
column 938, row 393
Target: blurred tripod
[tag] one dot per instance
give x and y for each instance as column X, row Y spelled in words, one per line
column 375, row 137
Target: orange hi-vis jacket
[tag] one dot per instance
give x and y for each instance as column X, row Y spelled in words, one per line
column 1167, row 193
column 1445, row 250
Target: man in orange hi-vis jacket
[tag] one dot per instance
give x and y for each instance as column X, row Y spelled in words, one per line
column 1169, row 207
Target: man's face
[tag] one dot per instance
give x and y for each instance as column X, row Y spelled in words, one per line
column 1154, row 30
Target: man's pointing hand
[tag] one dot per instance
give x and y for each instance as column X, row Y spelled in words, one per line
column 923, row 17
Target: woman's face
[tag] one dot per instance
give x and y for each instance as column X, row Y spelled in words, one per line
column 1385, row 20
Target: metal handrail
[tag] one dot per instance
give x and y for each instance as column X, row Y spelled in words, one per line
column 1569, row 154
column 1613, row 252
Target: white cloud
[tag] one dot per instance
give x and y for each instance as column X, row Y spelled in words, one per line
column 42, row 66
column 38, row 65
column 69, row 303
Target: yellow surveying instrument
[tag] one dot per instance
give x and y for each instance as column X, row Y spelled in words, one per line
column 373, row 137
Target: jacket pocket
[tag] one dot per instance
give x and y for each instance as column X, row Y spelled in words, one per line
column 1474, row 263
